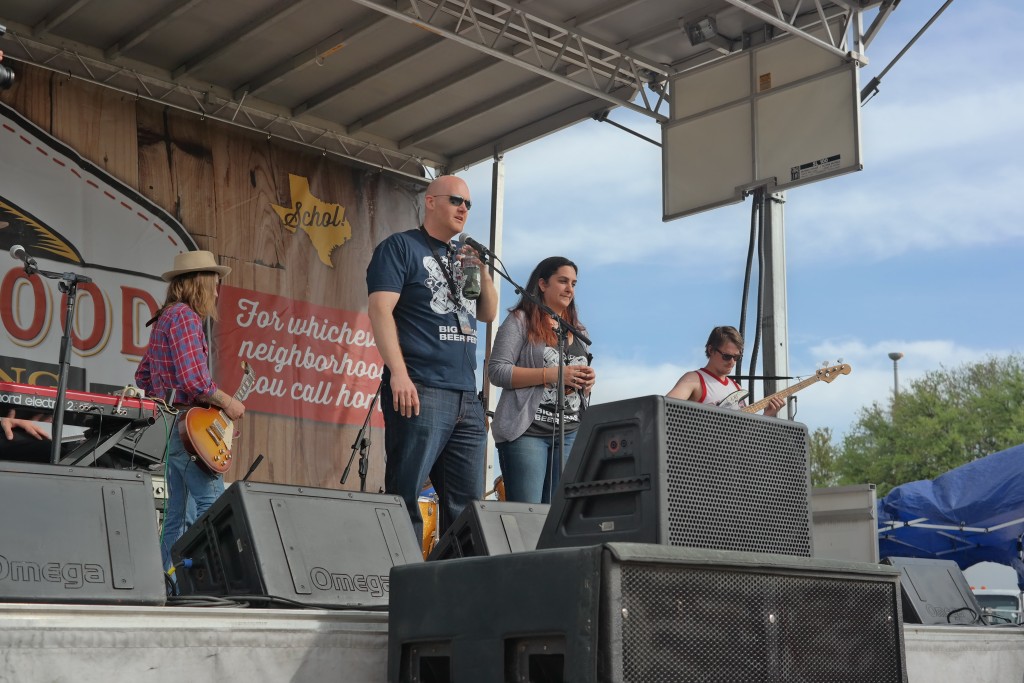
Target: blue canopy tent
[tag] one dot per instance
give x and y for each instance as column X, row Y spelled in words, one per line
column 974, row 513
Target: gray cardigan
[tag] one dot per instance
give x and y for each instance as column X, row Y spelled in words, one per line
column 516, row 407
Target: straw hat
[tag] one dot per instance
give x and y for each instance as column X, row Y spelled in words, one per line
column 195, row 262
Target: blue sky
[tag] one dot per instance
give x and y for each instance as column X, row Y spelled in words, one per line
column 920, row 252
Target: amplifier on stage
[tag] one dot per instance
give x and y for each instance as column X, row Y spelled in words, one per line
column 318, row 547
column 624, row 612
column 659, row 470
column 78, row 535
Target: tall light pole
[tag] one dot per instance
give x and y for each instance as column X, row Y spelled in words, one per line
column 895, row 356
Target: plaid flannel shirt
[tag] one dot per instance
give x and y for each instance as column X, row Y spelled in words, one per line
column 177, row 358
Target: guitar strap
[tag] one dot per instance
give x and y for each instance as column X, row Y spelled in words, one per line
column 448, row 275
column 461, row 314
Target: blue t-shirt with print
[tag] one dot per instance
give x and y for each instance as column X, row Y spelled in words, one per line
column 437, row 353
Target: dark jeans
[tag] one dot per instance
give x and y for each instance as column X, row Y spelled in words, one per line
column 526, row 468
column 446, row 442
column 191, row 490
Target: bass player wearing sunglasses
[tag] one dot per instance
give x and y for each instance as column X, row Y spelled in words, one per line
column 712, row 384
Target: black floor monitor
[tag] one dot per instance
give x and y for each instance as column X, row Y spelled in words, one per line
column 935, row 592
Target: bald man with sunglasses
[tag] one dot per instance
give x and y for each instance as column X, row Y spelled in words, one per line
column 712, row 384
column 425, row 329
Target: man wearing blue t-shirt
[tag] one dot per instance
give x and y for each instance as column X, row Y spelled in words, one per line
column 425, row 331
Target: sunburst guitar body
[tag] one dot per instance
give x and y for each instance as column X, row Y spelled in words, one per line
column 207, row 433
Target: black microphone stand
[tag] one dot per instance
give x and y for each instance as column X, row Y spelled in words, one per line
column 562, row 334
column 68, row 285
column 362, row 443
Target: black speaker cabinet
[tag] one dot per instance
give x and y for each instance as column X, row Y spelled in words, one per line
column 658, row 470
column 635, row 613
column 320, row 547
column 490, row 527
column 936, row 592
column 78, row 535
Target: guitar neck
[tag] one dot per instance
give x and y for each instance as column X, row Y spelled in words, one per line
column 760, row 405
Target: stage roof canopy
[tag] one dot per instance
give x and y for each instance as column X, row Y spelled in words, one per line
column 414, row 87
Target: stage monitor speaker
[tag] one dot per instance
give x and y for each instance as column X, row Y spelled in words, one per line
column 659, row 470
column 78, row 535
column 935, row 592
column 638, row 612
column 489, row 527
column 319, row 547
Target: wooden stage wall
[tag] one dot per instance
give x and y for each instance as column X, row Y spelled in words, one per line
column 220, row 182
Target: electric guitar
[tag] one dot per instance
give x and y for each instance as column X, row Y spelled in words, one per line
column 824, row 375
column 206, row 433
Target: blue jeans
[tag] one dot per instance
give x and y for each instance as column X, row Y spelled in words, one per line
column 446, row 442
column 190, row 491
column 525, row 466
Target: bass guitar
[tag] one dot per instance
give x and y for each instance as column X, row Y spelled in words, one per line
column 206, row 433
column 823, row 375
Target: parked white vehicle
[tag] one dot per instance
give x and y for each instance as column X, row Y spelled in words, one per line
column 999, row 605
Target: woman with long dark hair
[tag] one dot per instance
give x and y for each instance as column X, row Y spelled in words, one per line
column 524, row 363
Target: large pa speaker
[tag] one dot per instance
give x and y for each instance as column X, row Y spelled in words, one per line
column 659, row 470
column 319, row 547
column 634, row 613
column 78, row 535
column 489, row 527
column 936, row 592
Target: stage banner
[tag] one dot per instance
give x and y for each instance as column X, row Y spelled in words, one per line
column 311, row 362
column 71, row 216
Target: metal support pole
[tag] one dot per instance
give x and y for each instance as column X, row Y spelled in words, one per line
column 497, row 228
column 776, row 321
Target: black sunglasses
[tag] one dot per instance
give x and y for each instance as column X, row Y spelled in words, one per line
column 731, row 356
column 456, row 200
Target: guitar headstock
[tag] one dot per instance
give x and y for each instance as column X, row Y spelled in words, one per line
column 828, row 374
column 248, row 381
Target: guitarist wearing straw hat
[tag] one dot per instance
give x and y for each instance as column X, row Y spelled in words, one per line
column 175, row 368
column 712, row 384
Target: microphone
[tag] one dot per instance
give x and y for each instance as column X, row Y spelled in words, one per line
column 466, row 239
column 18, row 252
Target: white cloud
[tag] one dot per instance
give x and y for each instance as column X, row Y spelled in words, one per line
column 619, row 379
column 626, row 238
column 932, row 204
column 942, row 124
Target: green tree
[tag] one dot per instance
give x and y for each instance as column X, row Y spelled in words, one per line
column 823, row 455
column 943, row 420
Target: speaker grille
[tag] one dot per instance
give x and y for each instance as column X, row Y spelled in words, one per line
column 736, row 483
column 714, row 626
